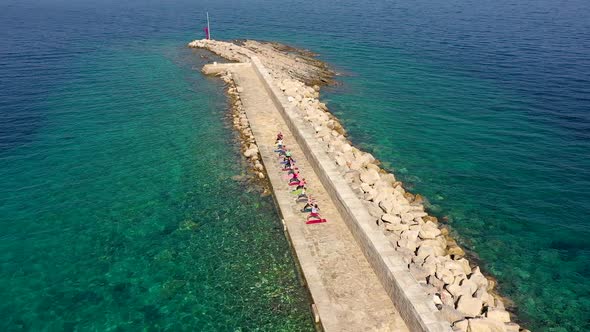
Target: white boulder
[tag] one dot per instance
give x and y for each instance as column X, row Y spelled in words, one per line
column 370, row 176
column 485, row 325
column 470, row 306
column 498, row 315
column 387, row 206
column 429, row 231
column 392, row 219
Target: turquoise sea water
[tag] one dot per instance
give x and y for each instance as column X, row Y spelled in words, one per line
column 117, row 208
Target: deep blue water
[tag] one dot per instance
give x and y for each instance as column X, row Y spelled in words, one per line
column 108, row 135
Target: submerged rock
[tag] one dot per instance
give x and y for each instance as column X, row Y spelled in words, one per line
column 430, row 218
column 456, row 251
column 188, row 225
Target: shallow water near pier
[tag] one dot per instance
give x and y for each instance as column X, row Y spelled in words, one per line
column 117, row 208
column 119, row 211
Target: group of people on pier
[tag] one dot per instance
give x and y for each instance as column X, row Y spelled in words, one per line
column 298, row 181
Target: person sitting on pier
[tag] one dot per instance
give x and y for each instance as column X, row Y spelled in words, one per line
column 315, row 212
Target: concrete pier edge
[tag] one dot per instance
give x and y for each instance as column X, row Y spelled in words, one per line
column 416, row 309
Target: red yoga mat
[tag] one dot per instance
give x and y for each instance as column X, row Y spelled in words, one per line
column 316, row 221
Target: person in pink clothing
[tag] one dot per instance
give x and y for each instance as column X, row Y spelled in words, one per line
column 295, row 177
column 301, row 184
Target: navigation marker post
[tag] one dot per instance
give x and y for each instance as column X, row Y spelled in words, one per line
column 208, row 28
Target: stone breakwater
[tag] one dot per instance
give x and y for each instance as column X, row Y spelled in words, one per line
column 462, row 294
column 241, row 123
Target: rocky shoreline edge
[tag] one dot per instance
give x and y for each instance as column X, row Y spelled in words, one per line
column 241, row 124
column 463, row 295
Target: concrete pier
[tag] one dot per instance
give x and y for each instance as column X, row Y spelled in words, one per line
column 350, row 271
column 422, row 269
column 345, row 290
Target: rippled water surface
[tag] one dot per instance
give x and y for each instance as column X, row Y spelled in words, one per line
column 117, row 208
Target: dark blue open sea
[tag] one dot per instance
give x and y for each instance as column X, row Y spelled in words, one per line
column 118, row 210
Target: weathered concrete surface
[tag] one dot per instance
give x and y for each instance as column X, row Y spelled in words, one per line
column 217, row 68
column 347, row 293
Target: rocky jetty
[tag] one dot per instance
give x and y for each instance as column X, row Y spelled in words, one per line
column 284, row 62
column 464, row 296
column 240, row 122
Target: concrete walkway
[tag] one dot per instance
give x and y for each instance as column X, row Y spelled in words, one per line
column 344, row 287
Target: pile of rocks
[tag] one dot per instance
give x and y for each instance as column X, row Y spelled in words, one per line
column 460, row 291
column 463, row 295
column 241, row 123
column 283, row 61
